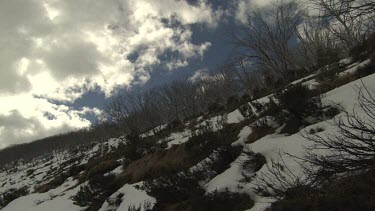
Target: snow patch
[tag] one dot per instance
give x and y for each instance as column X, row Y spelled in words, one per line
column 132, row 197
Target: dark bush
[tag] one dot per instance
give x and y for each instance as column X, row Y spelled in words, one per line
column 270, row 108
column 133, row 149
column 359, row 51
column 232, row 102
column 225, row 157
column 299, row 101
column 363, row 49
column 254, row 161
column 327, row 56
column 101, row 168
column 331, row 112
column 116, row 201
column 198, row 141
column 95, row 192
column 184, row 186
column 54, row 183
column 30, row 172
column 251, row 164
column 205, row 140
column 346, row 194
column 330, row 72
column 259, row 131
column 173, row 188
column 75, row 170
column 183, row 192
column 12, row 194
column 316, row 130
column 223, row 200
column 85, row 196
column 215, row 107
column 246, row 111
column 292, row 125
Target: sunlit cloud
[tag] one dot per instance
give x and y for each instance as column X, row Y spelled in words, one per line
column 56, row 51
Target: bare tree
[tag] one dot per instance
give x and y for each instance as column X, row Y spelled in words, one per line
column 268, row 34
column 317, row 45
column 153, row 112
column 180, row 98
column 349, row 20
column 243, row 77
column 169, row 96
column 125, row 110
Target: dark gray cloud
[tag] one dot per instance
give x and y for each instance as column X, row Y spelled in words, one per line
column 77, row 58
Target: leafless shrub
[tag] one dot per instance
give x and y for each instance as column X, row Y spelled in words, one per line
column 281, row 181
column 350, row 21
column 352, row 147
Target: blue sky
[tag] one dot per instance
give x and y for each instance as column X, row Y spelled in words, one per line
column 60, row 61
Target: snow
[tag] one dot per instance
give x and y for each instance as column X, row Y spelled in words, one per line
column 302, row 79
column 261, row 205
column 354, row 67
column 57, row 200
column 244, row 133
column 269, row 146
column 115, row 142
column 177, row 141
column 275, row 145
column 132, row 197
column 151, row 132
column 234, row 117
column 228, row 179
column 311, row 84
column 272, row 145
column 265, row 99
column 346, row 95
column 178, row 138
column 115, row 171
column 346, row 61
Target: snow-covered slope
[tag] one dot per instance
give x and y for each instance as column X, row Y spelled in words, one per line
column 270, row 146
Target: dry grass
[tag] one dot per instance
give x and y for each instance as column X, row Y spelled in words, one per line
column 178, row 157
column 56, row 182
column 159, row 163
column 98, row 168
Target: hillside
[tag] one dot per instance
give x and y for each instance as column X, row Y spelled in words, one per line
column 215, row 162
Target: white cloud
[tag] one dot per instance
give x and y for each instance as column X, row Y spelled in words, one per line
column 58, row 50
column 28, row 118
column 242, row 7
column 200, row 75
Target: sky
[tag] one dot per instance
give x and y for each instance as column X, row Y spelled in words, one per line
column 60, row 61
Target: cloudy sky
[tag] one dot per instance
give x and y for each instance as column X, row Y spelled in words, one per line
column 61, row 59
